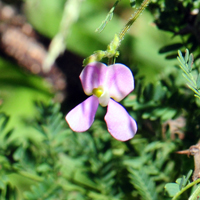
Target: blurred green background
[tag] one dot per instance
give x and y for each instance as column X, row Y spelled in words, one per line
column 41, row 145
column 139, row 50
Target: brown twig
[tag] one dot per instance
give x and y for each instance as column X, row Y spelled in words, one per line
column 194, row 151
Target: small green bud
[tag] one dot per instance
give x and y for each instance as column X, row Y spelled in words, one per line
column 97, row 56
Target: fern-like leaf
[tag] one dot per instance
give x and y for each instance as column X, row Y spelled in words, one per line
column 108, row 18
column 143, row 183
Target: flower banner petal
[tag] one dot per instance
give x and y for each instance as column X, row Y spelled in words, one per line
column 93, row 76
column 120, row 81
column 120, row 124
column 82, row 116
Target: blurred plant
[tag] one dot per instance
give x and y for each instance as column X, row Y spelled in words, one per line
column 183, row 184
column 67, row 165
column 180, row 18
column 186, row 65
column 108, row 17
column 57, row 46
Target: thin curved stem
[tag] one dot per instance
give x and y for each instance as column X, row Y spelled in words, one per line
column 185, row 188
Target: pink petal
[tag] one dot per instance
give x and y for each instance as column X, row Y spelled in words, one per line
column 120, row 81
column 82, row 116
column 93, row 76
column 120, row 124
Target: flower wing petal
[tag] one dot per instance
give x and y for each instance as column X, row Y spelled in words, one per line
column 120, row 81
column 93, row 76
column 82, row 116
column 120, row 124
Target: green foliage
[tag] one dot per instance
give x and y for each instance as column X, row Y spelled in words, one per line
column 18, row 90
column 108, row 18
column 181, row 19
column 90, row 165
column 44, row 159
column 175, row 190
column 157, row 101
column 47, row 20
column 186, row 65
column 143, row 183
column 172, row 189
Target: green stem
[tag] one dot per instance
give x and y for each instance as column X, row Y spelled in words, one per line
column 185, row 188
column 110, row 61
column 133, row 18
column 115, row 43
column 195, row 194
column 111, row 53
column 58, row 44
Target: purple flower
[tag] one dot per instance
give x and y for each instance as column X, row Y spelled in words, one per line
column 102, row 83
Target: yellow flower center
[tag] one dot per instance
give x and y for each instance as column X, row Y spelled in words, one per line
column 97, row 92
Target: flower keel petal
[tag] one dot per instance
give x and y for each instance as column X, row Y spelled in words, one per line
column 120, row 124
column 82, row 116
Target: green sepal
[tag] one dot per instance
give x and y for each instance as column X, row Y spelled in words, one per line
column 97, row 56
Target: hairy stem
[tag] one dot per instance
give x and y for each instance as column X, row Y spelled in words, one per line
column 185, row 188
column 133, row 18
